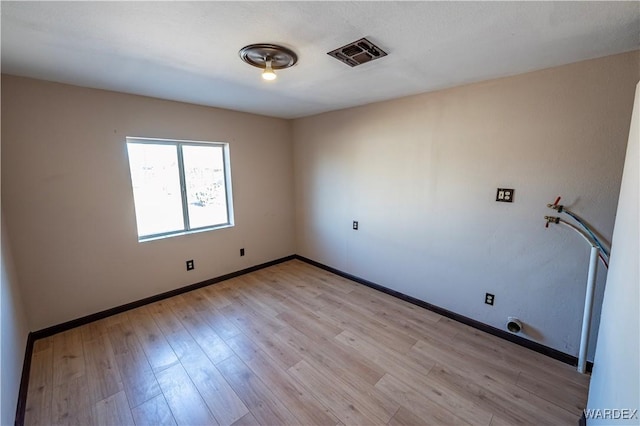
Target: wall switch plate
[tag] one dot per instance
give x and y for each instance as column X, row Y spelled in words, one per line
column 241, row 252
column 190, row 265
column 505, row 195
column 488, row 298
column 355, row 225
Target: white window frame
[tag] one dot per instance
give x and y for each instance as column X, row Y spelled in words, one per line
column 178, row 143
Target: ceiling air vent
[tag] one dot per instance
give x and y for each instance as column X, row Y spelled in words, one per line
column 358, row 52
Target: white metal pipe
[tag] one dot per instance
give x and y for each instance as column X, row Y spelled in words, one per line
column 588, row 307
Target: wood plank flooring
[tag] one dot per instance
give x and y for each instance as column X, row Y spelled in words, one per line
column 293, row 345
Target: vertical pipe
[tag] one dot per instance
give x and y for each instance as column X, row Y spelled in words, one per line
column 588, row 307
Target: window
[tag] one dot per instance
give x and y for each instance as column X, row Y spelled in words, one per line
column 179, row 186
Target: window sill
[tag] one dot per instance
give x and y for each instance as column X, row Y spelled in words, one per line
column 181, row 233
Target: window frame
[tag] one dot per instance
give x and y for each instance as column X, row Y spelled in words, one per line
column 178, row 144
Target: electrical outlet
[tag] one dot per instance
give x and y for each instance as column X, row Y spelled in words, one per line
column 241, row 252
column 488, row 298
column 190, row 265
column 355, row 225
column 505, row 195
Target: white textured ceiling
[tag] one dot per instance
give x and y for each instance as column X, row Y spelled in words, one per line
column 188, row 51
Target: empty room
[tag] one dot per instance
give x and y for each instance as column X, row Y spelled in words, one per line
column 320, row 213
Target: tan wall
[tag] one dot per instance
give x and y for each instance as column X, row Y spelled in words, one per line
column 14, row 330
column 420, row 175
column 67, row 196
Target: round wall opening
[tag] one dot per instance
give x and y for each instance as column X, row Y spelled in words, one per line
column 514, row 325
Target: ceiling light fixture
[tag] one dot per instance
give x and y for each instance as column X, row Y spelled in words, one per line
column 268, row 57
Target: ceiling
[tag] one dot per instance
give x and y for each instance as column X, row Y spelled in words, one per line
column 188, row 51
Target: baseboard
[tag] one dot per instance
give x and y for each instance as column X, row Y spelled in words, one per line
column 24, row 382
column 534, row 346
column 59, row 328
column 55, row 329
column 50, row 331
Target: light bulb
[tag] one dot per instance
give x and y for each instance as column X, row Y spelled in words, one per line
column 268, row 73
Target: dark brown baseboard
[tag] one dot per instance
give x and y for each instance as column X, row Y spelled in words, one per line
column 50, row 331
column 24, row 382
column 59, row 328
column 534, row 346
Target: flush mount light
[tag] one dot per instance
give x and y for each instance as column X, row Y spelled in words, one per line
column 268, row 57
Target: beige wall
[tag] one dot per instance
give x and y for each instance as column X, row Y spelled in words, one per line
column 420, row 175
column 66, row 193
column 14, row 330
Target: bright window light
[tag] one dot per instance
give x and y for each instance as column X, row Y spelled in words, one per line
column 179, row 186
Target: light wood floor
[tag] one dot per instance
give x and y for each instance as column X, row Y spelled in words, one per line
column 293, row 344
